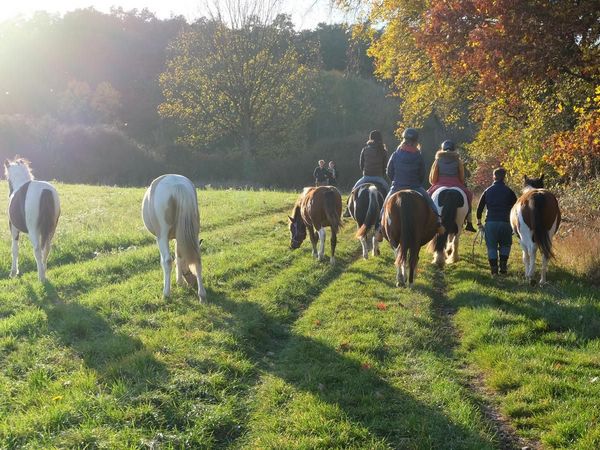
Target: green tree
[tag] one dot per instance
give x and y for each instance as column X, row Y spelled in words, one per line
column 240, row 80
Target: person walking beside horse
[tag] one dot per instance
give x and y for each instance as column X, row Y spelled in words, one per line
column 321, row 174
column 449, row 171
column 499, row 199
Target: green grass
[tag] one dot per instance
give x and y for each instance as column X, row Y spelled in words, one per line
column 288, row 353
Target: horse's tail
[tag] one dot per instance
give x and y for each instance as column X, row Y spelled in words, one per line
column 47, row 217
column 331, row 213
column 450, row 204
column 187, row 226
column 409, row 244
column 537, row 204
column 372, row 213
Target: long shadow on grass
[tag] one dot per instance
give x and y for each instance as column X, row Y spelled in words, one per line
column 112, row 355
column 363, row 395
column 556, row 308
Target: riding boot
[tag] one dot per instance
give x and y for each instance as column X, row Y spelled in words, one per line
column 470, row 226
column 493, row 266
column 503, row 264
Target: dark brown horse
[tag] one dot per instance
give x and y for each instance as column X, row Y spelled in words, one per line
column 535, row 218
column 408, row 223
column 315, row 209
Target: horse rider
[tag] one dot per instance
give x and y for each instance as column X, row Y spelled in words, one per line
column 448, row 171
column 499, row 199
column 406, row 169
column 373, row 160
column 321, row 174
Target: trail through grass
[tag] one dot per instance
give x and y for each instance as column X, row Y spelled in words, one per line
column 289, row 352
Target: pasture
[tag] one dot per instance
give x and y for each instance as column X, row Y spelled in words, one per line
column 288, row 352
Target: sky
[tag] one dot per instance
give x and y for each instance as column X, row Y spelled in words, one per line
column 305, row 13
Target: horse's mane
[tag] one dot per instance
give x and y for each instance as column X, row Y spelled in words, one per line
column 20, row 161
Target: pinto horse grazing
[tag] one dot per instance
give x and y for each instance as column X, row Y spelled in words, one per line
column 315, row 209
column 365, row 205
column 453, row 204
column 408, row 223
column 535, row 218
column 33, row 208
column 170, row 211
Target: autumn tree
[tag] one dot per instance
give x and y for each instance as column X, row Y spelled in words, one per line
column 238, row 76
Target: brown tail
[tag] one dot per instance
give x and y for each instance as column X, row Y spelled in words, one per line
column 47, row 217
column 409, row 242
column 187, row 228
column 537, row 203
column 332, row 215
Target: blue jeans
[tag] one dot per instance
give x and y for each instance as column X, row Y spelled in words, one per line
column 498, row 239
column 372, row 179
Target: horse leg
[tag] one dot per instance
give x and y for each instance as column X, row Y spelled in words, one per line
column 544, row 269
column 321, row 253
column 454, row 257
column 365, row 247
column 166, row 263
column 37, row 252
column 14, row 270
column 333, row 244
column 313, row 239
column 201, row 290
column 376, row 251
column 411, row 272
column 532, row 255
column 400, row 270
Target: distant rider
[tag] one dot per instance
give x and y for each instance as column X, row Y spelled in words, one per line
column 448, row 171
column 321, row 174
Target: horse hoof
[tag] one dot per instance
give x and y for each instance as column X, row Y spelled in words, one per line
column 376, row 252
column 532, row 282
column 400, row 284
column 365, row 256
column 13, row 274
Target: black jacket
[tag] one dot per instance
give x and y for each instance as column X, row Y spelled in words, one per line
column 499, row 199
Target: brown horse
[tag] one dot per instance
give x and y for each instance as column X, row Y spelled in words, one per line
column 407, row 223
column 535, row 218
column 315, row 209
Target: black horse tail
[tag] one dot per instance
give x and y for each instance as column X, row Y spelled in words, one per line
column 410, row 244
column 450, row 200
column 372, row 214
column 537, row 204
column 333, row 216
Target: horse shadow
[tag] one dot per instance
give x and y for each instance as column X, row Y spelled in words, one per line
column 556, row 309
column 114, row 356
column 389, row 413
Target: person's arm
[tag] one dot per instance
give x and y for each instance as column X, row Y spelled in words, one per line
column 461, row 171
column 434, row 173
column 513, row 198
column 362, row 160
column 315, row 176
column 390, row 168
column 384, row 160
column 480, row 208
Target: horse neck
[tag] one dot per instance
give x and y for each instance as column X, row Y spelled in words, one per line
column 19, row 177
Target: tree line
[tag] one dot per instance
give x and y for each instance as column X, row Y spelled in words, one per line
column 120, row 97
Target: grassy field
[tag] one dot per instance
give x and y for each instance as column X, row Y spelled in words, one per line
column 288, row 353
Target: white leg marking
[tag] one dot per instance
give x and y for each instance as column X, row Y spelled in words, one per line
column 14, row 271
column 39, row 259
column 321, row 254
column 166, row 263
column 375, row 246
column 365, row 247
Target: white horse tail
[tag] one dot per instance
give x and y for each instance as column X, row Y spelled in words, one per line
column 372, row 214
column 47, row 217
column 187, row 226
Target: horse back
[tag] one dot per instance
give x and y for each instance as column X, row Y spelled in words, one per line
column 321, row 207
column 408, row 206
column 537, row 203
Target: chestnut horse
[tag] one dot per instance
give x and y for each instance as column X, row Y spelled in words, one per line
column 535, row 218
column 315, row 209
column 407, row 223
column 170, row 211
column 33, row 208
column 365, row 205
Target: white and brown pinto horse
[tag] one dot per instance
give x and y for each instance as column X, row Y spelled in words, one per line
column 170, row 211
column 364, row 204
column 453, row 205
column 535, row 218
column 315, row 209
column 34, row 209
column 408, row 223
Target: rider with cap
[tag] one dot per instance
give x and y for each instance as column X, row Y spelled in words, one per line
column 406, row 168
column 448, row 171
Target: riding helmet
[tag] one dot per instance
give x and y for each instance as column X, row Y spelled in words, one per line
column 410, row 134
column 448, row 146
